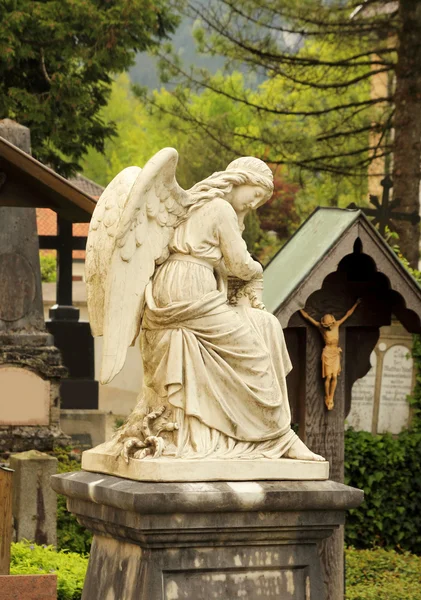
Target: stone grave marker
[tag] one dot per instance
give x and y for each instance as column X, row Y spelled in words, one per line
column 360, row 416
column 379, row 399
column 396, row 384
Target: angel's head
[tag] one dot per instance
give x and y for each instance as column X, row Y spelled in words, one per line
column 246, row 183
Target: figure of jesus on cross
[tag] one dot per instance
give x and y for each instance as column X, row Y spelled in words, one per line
column 331, row 355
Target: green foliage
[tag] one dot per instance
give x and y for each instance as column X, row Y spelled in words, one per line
column 382, row 575
column 142, row 131
column 30, row 559
column 70, row 535
column 386, row 467
column 48, row 264
column 56, row 62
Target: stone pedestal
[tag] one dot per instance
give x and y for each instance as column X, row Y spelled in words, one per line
column 174, row 541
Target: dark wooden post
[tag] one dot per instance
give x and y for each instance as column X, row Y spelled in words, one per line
column 63, row 309
column 64, row 262
column 323, row 431
column 5, row 519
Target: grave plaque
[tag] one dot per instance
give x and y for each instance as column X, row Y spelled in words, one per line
column 363, row 392
column 396, row 384
column 25, row 397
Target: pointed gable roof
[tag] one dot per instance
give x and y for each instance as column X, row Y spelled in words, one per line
column 316, row 249
column 25, row 181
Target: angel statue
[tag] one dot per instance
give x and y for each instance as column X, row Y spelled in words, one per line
column 158, row 265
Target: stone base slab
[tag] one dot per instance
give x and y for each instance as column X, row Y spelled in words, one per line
column 98, row 460
column 175, row 541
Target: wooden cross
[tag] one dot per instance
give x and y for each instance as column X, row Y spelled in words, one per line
column 64, row 242
column 384, row 212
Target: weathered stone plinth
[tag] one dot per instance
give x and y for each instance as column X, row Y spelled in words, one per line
column 175, row 541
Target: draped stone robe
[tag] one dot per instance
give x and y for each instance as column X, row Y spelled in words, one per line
column 221, row 368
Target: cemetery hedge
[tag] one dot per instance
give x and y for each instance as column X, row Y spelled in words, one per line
column 382, row 575
column 70, row 567
column 387, row 468
column 70, row 535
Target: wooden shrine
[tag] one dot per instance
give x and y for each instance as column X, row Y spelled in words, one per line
column 335, row 258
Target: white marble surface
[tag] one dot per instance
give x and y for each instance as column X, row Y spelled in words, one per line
column 167, row 469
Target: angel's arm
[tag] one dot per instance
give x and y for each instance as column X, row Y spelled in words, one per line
column 308, row 318
column 349, row 312
column 233, row 247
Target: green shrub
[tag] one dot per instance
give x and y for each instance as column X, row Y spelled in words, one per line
column 382, row 575
column 70, row 535
column 30, row 559
column 387, row 469
column 48, row 264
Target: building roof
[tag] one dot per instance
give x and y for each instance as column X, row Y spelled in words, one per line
column 47, row 220
column 87, row 185
column 316, row 249
column 21, row 172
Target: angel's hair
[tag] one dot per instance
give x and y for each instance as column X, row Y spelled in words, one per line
column 242, row 171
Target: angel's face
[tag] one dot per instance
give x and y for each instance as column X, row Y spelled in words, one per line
column 245, row 198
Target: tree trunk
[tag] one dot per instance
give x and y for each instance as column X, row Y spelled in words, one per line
column 407, row 126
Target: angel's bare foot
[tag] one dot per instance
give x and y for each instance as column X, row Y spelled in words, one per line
column 300, row 451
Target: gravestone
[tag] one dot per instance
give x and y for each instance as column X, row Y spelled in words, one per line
column 30, row 366
column 360, row 416
column 379, row 399
column 396, row 384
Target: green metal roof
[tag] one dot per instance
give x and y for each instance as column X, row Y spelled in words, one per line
column 294, row 262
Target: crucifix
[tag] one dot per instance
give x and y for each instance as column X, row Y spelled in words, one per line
column 383, row 214
column 331, row 354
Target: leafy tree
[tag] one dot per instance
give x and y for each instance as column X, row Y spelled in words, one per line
column 144, row 127
column 141, row 131
column 57, row 58
column 318, row 111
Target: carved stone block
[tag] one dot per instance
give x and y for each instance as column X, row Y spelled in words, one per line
column 174, row 541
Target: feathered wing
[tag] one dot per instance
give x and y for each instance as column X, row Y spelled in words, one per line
column 101, row 241
column 154, row 205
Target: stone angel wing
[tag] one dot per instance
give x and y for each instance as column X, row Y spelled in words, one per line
column 129, row 234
